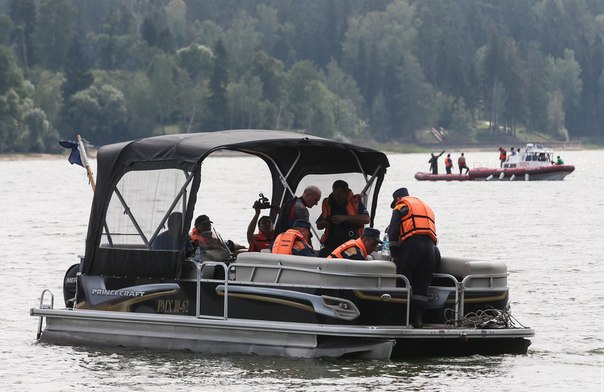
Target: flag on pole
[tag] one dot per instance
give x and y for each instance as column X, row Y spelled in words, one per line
column 75, row 156
column 78, row 156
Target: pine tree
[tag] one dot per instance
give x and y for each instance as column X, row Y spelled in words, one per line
column 77, row 70
column 217, row 101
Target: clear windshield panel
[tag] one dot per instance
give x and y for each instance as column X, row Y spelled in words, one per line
column 146, row 209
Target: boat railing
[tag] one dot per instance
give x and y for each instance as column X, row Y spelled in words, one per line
column 463, row 286
column 45, row 305
column 229, row 275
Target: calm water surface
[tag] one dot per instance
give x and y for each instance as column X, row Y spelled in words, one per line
column 550, row 234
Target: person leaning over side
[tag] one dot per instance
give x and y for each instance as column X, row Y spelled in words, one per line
column 343, row 217
column 265, row 235
column 297, row 208
column 295, row 241
column 414, row 253
column 359, row 248
column 461, row 164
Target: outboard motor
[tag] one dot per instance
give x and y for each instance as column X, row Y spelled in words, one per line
column 70, row 286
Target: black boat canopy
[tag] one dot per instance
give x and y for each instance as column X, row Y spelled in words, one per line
column 289, row 156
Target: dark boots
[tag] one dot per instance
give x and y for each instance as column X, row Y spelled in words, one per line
column 417, row 311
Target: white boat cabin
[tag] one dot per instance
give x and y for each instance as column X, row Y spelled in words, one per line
column 533, row 155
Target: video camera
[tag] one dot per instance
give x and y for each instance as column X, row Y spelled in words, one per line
column 262, row 203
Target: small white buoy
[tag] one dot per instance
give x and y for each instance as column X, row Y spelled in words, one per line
column 512, row 178
column 501, row 175
column 526, row 177
column 489, row 178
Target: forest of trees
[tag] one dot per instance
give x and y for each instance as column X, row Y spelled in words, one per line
column 116, row 70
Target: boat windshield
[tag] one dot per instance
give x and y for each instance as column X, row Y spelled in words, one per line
column 146, row 210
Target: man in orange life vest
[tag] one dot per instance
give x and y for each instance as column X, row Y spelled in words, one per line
column 414, row 253
column 448, row 163
column 358, row 249
column 202, row 235
column 295, row 241
column 265, row 235
column 297, row 208
column 343, row 217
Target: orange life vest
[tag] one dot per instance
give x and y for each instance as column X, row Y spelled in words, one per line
column 260, row 241
column 285, row 242
column 461, row 161
column 205, row 242
column 418, row 221
column 448, row 162
column 502, row 155
column 356, row 244
column 352, row 208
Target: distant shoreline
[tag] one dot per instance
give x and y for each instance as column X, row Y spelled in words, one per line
column 401, row 148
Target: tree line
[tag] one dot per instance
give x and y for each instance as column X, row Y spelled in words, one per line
column 116, row 70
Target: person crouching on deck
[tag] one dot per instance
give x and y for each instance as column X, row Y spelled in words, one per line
column 295, row 241
column 358, row 249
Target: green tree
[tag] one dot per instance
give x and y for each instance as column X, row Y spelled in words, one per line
column 343, row 85
column 409, row 104
column 47, row 92
column 300, row 96
column 565, row 88
column 138, row 97
column 10, row 74
column 217, row 102
column 23, row 15
column 99, row 112
column 245, row 103
column 162, row 74
column 197, row 61
column 54, row 32
column 77, row 70
column 241, row 40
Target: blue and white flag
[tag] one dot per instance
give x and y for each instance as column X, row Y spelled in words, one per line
column 78, row 153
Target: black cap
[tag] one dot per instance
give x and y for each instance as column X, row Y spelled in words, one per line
column 372, row 233
column 202, row 219
column 303, row 223
column 400, row 192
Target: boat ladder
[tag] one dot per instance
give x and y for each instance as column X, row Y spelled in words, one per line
column 45, row 305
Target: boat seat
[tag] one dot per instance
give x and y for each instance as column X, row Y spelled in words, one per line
column 461, row 268
column 319, row 271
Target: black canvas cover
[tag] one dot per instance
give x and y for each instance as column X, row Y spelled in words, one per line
column 279, row 149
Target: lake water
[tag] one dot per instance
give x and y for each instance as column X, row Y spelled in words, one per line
column 550, row 234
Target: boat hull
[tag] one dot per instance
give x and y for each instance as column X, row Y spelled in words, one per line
column 235, row 336
column 540, row 173
column 421, row 176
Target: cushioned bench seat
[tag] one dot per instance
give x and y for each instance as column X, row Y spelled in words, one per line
column 461, row 268
column 317, row 271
